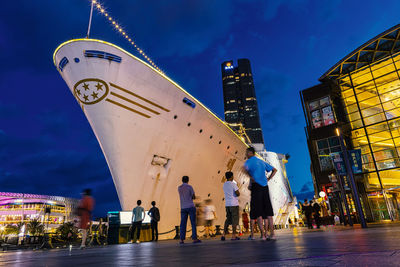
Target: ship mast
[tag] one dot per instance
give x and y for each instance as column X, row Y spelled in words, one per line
column 90, row 20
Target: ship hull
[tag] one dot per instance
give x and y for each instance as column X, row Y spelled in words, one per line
column 151, row 131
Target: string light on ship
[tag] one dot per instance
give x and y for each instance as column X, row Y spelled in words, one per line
column 119, row 29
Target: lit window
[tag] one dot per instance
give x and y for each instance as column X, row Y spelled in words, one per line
column 321, row 112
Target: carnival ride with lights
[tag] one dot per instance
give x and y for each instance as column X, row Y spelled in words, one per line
column 151, row 131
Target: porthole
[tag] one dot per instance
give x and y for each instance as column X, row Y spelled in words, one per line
column 76, row 60
column 175, row 117
column 211, row 136
column 223, row 199
column 219, row 142
column 201, row 130
column 236, row 152
column 219, row 172
column 227, row 147
column 189, row 124
column 209, row 194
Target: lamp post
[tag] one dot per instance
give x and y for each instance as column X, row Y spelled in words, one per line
column 351, row 179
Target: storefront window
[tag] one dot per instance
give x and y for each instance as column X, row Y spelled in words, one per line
column 321, row 112
column 325, row 147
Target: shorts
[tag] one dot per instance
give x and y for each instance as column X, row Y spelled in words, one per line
column 260, row 202
column 232, row 215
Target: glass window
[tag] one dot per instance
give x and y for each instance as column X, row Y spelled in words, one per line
column 325, row 147
column 316, row 119
column 374, row 119
column 321, row 112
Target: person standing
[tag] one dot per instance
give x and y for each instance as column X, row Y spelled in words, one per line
column 154, row 213
column 232, row 193
column 245, row 219
column 317, row 216
column 137, row 219
column 209, row 217
column 260, row 202
column 186, row 196
column 308, row 213
column 85, row 209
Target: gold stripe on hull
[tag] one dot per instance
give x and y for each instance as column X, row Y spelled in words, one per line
column 138, row 96
column 135, row 103
column 127, row 108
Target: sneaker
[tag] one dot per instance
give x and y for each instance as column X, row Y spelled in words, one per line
column 82, row 247
column 236, row 238
column 264, row 238
column 272, row 237
column 196, row 241
column 222, row 238
column 137, row 242
column 130, row 242
column 251, row 238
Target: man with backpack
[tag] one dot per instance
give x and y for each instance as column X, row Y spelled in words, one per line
column 154, row 213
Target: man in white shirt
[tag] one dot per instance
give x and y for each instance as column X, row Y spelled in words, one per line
column 137, row 219
column 231, row 192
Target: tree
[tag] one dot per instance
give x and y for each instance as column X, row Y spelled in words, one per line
column 67, row 231
column 35, row 227
column 11, row 230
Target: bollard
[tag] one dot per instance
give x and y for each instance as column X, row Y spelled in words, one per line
column 177, row 232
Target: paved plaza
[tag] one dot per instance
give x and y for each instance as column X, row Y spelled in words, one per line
column 375, row 246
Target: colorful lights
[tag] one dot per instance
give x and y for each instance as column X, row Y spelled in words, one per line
column 119, row 29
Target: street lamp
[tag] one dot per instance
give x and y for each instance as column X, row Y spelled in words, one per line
column 351, row 179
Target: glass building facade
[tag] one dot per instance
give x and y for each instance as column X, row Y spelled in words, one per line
column 367, row 82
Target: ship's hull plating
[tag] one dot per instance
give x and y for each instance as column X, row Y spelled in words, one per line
column 150, row 137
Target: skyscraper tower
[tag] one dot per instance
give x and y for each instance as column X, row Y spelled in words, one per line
column 240, row 103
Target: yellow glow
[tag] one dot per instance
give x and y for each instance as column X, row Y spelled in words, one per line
column 228, row 64
column 337, row 132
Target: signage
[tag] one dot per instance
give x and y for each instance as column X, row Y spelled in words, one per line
column 355, row 160
column 125, row 217
column 338, row 162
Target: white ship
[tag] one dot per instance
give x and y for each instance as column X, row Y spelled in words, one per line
column 152, row 132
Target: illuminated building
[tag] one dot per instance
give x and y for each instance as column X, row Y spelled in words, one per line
column 240, row 103
column 361, row 94
column 19, row 207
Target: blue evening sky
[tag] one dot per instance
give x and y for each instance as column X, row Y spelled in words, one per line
column 46, row 144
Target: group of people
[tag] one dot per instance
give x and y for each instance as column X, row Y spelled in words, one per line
column 138, row 215
column 261, row 210
column 260, row 206
column 312, row 209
